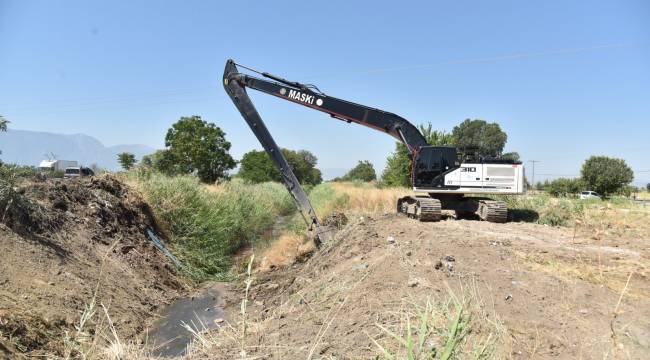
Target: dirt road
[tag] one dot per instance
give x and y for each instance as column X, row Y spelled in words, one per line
column 533, row 292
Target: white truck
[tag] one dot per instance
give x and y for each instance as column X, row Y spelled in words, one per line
column 57, row 165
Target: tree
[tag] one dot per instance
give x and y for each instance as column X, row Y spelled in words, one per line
column 256, row 166
column 364, row 171
column 398, row 165
column 3, row 127
column 126, row 160
column 160, row 160
column 514, row 156
column 194, row 146
column 3, row 124
column 606, row 175
column 647, row 187
column 487, row 138
column 435, row 137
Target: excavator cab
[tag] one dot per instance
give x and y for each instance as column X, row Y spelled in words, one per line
column 431, row 164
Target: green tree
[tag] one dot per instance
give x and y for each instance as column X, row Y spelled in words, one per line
column 126, row 160
column 514, row 156
column 647, row 187
column 487, row 138
column 398, row 165
column 364, row 171
column 256, row 166
column 3, row 128
column 194, row 146
column 606, row 175
column 3, row 123
column 160, row 160
column 435, row 137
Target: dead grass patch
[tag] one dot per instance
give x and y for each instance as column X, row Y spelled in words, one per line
column 285, row 251
column 369, row 199
column 612, row 274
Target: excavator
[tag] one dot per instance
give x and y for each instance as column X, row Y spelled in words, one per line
column 439, row 180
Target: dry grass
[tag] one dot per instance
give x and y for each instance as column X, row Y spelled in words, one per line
column 596, row 270
column 369, row 199
column 285, row 251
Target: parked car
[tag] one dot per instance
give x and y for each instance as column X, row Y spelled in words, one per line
column 589, row 195
column 77, row 171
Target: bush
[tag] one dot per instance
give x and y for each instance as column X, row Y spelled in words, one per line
column 564, row 187
column 13, row 173
column 208, row 224
column 561, row 213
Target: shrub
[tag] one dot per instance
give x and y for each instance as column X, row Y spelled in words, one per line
column 564, row 187
column 13, row 173
column 561, row 213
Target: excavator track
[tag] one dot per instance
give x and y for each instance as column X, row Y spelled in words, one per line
column 421, row 208
column 493, row 211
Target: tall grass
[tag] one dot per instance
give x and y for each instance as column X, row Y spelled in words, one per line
column 208, row 224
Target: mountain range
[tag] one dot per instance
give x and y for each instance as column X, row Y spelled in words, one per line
column 25, row 147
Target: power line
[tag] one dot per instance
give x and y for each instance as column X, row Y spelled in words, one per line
column 484, row 59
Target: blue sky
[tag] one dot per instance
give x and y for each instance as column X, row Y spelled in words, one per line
column 565, row 79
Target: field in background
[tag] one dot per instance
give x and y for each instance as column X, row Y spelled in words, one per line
column 368, row 198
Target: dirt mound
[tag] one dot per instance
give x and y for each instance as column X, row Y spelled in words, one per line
column 486, row 291
column 65, row 242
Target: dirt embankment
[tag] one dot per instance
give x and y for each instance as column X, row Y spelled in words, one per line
column 534, row 292
column 65, row 242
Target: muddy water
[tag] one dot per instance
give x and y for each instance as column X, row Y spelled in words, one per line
column 202, row 311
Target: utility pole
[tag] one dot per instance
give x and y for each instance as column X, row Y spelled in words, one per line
column 534, row 161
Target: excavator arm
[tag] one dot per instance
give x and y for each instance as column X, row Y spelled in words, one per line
column 242, row 101
column 309, row 96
